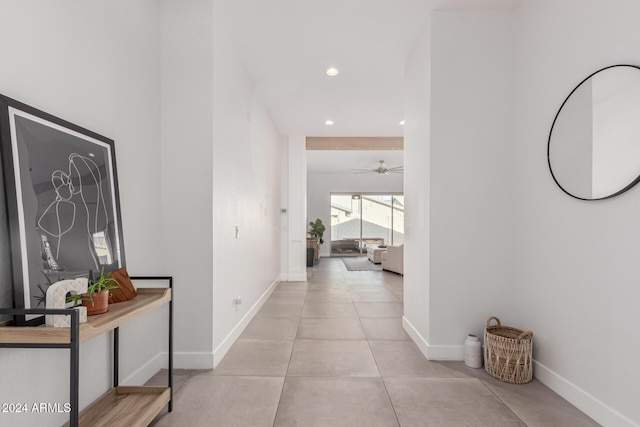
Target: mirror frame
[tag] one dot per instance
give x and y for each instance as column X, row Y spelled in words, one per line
column 630, row 185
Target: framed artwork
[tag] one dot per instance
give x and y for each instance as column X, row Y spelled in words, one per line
column 62, row 200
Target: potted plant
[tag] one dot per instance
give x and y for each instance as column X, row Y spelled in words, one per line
column 316, row 229
column 97, row 297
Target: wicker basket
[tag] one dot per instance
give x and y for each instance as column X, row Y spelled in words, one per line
column 507, row 353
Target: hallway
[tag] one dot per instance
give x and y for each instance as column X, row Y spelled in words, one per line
column 332, row 352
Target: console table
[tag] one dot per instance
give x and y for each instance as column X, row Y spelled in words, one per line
column 313, row 243
column 120, row 406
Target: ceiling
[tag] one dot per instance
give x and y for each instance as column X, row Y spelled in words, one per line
column 287, row 45
column 342, row 161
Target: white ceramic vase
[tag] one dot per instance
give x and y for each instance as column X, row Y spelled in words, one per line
column 473, row 351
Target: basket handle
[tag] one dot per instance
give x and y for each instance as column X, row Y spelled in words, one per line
column 525, row 335
column 493, row 318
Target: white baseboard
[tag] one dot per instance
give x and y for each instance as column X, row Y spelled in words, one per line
column 417, row 338
column 231, row 338
column 146, row 371
column 590, row 405
column 161, row 361
column 193, row 360
column 433, row 352
column 446, row 352
column 297, row 277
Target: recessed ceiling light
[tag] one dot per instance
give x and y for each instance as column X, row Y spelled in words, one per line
column 329, row 123
column 91, row 155
column 332, row 71
column 401, row 123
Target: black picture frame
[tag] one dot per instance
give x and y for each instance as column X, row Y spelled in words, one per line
column 62, row 199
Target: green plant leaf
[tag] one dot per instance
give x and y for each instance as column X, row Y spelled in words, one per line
column 317, row 229
column 103, row 283
column 76, row 299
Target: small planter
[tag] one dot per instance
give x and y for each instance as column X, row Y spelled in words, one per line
column 99, row 305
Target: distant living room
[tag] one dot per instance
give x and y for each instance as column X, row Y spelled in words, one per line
column 367, row 230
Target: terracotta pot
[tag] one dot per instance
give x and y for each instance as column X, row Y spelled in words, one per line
column 100, row 303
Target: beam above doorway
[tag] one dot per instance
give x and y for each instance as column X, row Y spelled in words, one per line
column 355, row 143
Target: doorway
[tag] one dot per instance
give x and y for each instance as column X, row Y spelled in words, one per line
column 362, row 219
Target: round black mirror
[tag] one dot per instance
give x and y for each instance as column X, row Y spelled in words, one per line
column 594, row 143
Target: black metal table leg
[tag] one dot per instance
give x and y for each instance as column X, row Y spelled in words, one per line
column 75, row 370
column 116, row 356
column 171, row 346
column 170, row 376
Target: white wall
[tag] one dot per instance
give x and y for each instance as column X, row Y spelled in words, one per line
column 320, row 186
column 577, row 270
column 471, row 183
column 417, row 190
column 284, row 202
column 246, row 194
column 197, row 153
column 95, row 64
column 296, row 210
column 470, row 213
column 187, row 180
column 503, row 238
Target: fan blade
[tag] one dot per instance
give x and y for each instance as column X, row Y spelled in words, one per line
column 381, row 170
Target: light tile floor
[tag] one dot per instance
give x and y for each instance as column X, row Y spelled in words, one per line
column 332, row 352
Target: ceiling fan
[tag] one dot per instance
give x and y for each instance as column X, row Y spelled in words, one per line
column 381, row 170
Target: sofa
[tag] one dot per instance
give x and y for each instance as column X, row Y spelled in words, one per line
column 374, row 253
column 393, row 259
column 345, row 246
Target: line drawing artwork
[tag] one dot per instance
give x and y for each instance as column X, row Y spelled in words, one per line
column 68, row 185
column 62, row 203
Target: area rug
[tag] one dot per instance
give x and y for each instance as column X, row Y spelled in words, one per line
column 360, row 263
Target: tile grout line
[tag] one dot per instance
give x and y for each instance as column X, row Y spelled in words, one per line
column 295, row 338
column 275, row 416
column 502, row 396
column 384, row 385
column 502, row 401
